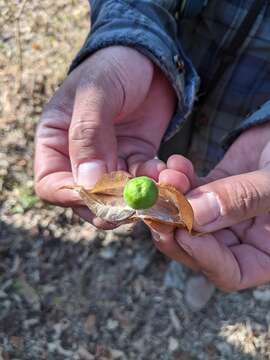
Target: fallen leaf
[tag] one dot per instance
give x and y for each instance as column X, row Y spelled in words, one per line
column 36, row 46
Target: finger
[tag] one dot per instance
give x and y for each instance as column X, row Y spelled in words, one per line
column 52, row 164
column 165, row 243
column 92, row 141
column 227, row 237
column 151, row 168
column 50, row 188
column 228, row 201
column 175, row 178
column 214, row 259
column 183, row 165
column 254, row 265
column 179, row 173
column 143, row 163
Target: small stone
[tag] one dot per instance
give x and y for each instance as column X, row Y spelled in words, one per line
column 55, row 347
column 48, row 289
column 173, row 344
column 60, row 327
column 112, row 324
column 141, row 261
column 6, row 304
column 30, row 322
column 122, row 317
column 90, row 234
column 29, row 293
column 107, row 253
column 6, row 284
column 90, row 324
column 262, row 295
column 3, row 294
column 84, row 354
column 17, row 342
column 123, row 230
column 175, row 320
column 117, row 354
column 110, row 238
column 138, row 344
column 225, row 349
column 198, row 292
column 175, row 276
column 15, row 265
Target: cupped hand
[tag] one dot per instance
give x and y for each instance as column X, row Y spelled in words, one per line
column 232, row 206
column 109, row 114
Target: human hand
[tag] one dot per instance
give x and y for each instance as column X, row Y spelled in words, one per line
column 109, row 114
column 232, row 206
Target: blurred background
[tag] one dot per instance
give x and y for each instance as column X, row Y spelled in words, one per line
column 68, row 291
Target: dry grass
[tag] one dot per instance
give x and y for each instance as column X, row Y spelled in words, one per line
column 38, row 41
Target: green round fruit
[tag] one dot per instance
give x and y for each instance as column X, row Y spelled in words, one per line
column 140, row 193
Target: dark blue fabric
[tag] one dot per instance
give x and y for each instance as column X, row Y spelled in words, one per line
column 156, row 29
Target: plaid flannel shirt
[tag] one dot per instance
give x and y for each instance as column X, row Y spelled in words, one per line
column 188, row 52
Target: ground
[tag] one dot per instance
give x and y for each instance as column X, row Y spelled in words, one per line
column 68, row 291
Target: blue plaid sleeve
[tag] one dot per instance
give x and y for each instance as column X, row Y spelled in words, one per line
column 258, row 117
column 151, row 28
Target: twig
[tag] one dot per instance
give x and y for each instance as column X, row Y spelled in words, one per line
column 18, row 39
column 19, row 46
column 21, row 9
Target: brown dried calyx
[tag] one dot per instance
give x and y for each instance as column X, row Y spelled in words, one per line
column 106, row 201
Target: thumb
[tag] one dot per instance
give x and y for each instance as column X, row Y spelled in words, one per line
column 92, row 140
column 228, row 201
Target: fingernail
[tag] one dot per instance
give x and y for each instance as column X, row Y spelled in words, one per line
column 206, row 208
column 90, row 172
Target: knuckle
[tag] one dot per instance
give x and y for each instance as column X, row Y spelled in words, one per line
column 85, row 138
column 240, row 199
column 247, row 197
column 83, row 131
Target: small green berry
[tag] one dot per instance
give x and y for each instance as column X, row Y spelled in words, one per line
column 140, row 193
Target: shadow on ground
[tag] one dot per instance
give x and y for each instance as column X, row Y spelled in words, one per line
column 98, row 300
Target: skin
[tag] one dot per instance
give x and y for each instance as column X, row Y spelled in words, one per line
column 236, row 253
column 84, row 123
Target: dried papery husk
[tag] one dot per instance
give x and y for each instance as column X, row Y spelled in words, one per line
column 111, row 208
column 112, row 183
column 106, row 201
column 172, row 208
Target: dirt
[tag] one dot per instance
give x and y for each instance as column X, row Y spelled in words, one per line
column 68, row 291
